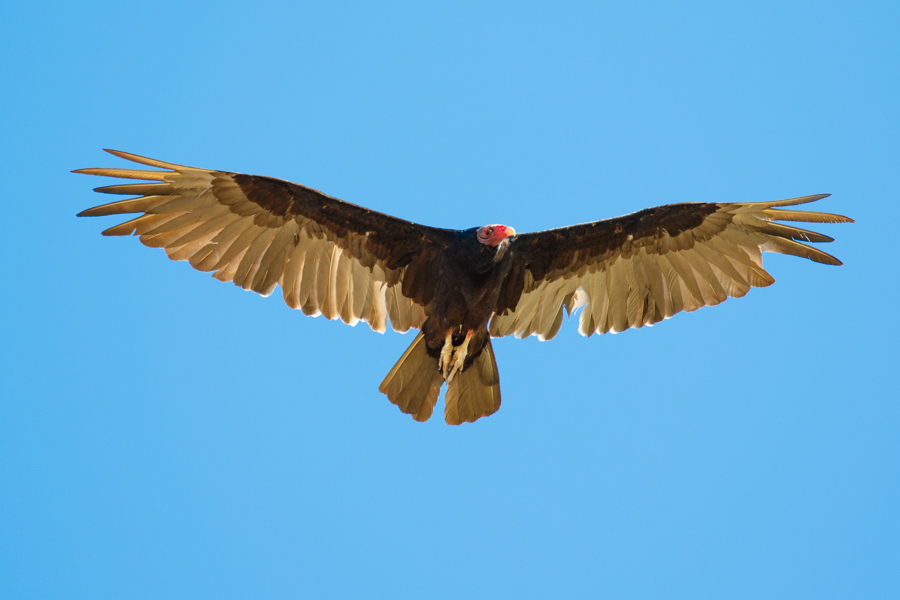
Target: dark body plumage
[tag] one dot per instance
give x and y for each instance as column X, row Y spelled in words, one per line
column 459, row 287
column 468, row 277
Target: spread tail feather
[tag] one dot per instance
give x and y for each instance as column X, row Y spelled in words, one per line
column 475, row 392
column 415, row 382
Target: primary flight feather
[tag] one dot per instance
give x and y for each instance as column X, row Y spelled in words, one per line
column 459, row 288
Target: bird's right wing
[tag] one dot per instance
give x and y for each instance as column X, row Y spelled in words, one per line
column 330, row 257
column 642, row 268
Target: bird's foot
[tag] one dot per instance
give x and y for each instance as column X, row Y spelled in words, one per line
column 458, row 358
column 446, row 355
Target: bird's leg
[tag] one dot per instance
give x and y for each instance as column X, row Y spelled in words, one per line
column 460, row 355
column 446, row 354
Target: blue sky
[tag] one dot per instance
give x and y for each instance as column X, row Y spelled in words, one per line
column 166, row 435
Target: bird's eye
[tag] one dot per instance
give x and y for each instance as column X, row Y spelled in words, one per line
column 487, row 232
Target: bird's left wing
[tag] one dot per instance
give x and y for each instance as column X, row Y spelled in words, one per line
column 330, row 257
column 642, row 268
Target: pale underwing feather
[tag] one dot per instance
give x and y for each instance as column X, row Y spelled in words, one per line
column 243, row 276
column 652, row 278
column 205, row 217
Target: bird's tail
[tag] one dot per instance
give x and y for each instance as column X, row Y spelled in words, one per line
column 475, row 392
column 415, row 383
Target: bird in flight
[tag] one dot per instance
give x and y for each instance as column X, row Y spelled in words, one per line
column 458, row 288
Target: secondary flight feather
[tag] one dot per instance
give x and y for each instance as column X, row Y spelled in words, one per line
column 459, row 288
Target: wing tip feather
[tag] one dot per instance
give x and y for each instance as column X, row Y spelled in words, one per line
column 799, row 200
column 143, row 159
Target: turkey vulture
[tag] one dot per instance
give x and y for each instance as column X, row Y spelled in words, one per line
column 459, row 288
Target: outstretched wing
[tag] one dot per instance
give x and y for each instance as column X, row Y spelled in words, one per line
column 330, row 257
column 642, row 268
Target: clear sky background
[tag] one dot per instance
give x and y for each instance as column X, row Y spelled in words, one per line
column 164, row 435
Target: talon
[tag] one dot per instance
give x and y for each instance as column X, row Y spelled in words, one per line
column 446, row 354
column 460, row 356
